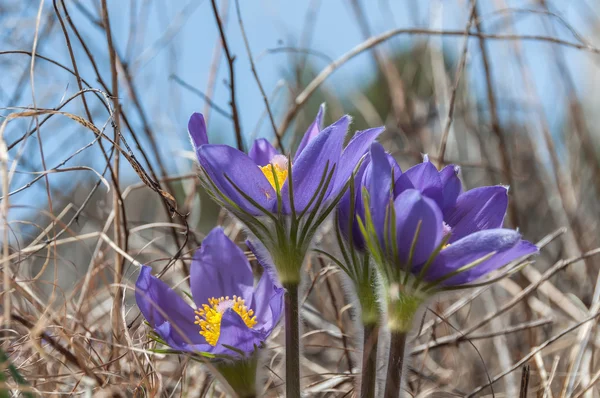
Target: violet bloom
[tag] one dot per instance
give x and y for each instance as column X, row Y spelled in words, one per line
column 229, row 309
column 282, row 199
column 258, row 182
column 421, row 222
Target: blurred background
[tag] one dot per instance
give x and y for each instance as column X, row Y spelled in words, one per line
column 98, row 174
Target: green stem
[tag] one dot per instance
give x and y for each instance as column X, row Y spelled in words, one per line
column 292, row 341
column 393, row 385
column 368, row 378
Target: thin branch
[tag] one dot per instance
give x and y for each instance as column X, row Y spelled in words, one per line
column 310, row 89
column 119, row 236
column 199, row 93
column 497, row 130
column 457, row 79
column 255, row 73
column 230, row 60
column 537, row 349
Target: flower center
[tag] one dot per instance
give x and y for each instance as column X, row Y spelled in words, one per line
column 209, row 316
column 276, row 171
column 446, row 230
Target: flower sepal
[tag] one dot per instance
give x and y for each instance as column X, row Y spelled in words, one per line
column 368, row 297
column 240, row 375
column 403, row 304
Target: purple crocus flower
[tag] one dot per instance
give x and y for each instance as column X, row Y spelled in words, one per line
column 257, row 183
column 423, row 222
column 230, row 311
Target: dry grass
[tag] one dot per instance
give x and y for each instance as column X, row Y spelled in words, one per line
column 89, row 193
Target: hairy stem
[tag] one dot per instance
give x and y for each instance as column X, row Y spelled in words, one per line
column 393, row 384
column 368, row 378
column 292, row 341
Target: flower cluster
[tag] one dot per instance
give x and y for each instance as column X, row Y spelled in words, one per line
column 422, row 230
column 230, row 310
column 282, row 199
column 403, row 237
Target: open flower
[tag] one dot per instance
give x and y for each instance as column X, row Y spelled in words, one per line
column 421, row 222
column 230, row 311
column 259, row 182
column 282, row 199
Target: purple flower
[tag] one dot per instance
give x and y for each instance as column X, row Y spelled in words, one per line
column 230, row 311
column 257, row 183
column 423, row 222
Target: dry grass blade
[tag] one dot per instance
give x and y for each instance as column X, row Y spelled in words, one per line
column 97, row 178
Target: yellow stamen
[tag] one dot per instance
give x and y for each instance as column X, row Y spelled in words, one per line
column 277, row 170
column 209, row 316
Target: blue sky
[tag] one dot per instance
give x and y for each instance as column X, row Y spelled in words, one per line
column 190, row 34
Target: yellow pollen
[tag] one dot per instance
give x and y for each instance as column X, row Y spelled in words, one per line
column 209, row 316
column 275, row 172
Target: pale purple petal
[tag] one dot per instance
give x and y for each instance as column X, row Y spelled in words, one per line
column 413, row 208
column 343, row 208
column 222, row 160
column 167, row 313
column 354, row 151
column 267, row 303
column 220, row 268
column 506, row 243
column 451, row 185
column 262, row 152
column 378, row 181
column 425, row 178
column 324, row 150
column 313, row 130
column 396, row 170
column 476, row 210
column 197, row 130
column 263, row 257
column 236, row 334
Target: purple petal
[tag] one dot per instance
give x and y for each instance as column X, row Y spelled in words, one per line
column 476, row 210
column 167, row 313
column 352, row 154
column 324, row 150
column 378, row 181
column 413, row 208
column 397, row 171
column 197, row 130
column 313, row 130
column 263, row 257
column 425, row 178
column 262, row 152
column 451, row 185
column 267, row 303
column 343, row 208
column 221, row 160
column 220, row 268
column 235, row 333
column 506, row 243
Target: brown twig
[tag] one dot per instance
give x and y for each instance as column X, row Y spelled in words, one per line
column 119, row 236
column 457, row 80
column 303, row 97
column 524, row 382
column 278, row 136
column 495, row 121
column 530, row 355
column 230, row 61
